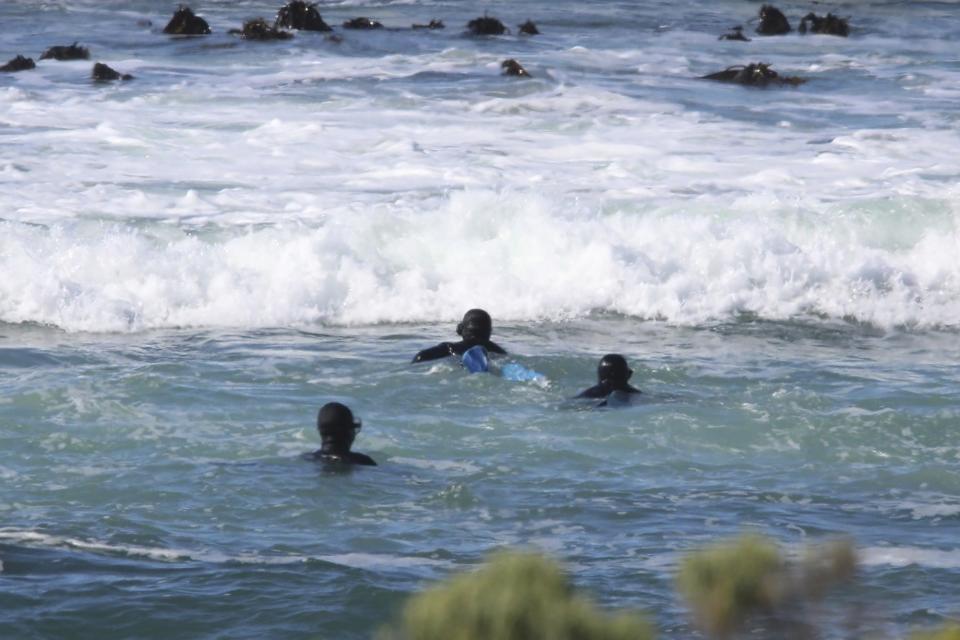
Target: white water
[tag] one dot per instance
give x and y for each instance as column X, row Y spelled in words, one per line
column 399, row 178
column 518, row 255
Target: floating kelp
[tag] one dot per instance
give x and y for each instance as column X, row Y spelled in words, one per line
column 71, row 52
column 433, row 24
column 186, row 23
column 529, row 29
column 19, row 64
column 753, row 75
column 486, row 26
column 258, row 29
column 103, row 73
column 301, row 15
column 736, row 33
column 772, row 21
column 513, row 68
column 830, row 25
column 362, row 23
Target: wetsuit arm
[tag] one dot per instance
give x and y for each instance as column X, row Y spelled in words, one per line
column 493, row 347
column 442, row 350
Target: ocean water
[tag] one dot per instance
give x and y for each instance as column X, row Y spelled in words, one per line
column 191, row 263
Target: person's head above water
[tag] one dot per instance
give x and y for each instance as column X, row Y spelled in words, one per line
column 476, row 326
column 613, row 369
column 474, row 329
column 337, row 427
column 613, row 374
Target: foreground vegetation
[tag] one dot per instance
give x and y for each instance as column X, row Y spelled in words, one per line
column 745, row 586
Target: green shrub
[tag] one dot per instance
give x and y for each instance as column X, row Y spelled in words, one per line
column 949, row 632
column 728, row 582
column 514, row 596
column 825, row 566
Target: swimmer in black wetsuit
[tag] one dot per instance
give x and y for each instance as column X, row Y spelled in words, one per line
column 475, row 329
column 337, row 430
column 613, row 374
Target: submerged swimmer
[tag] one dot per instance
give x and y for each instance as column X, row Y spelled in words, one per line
column 613, row 375
column 337, row 431
column 475, row 329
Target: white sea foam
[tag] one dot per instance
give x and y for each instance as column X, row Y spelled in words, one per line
column 368, row 561
column 35, row 538
column 940, row 510
column 463, row 468
column 379, row 561
column 520, row 255
column 409, row 184
column 906, row 556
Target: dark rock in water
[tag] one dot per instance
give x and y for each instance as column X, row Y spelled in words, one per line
column 433, row 24
column 297, row 14
column 831, row 25
column 486, row 26
column 19, row 64
column 513, row 68
column 362, row 23
column 103, row 73
column 753, row 75
column 258, row 29
column 73, row 52
column 772, row 21
column 186, row 23
column 736, row 33
column 529, row 29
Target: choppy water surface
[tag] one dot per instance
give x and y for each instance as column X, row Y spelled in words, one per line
column 192, row 262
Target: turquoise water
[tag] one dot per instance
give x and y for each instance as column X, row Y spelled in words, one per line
column 193, row 262
column 152, row 483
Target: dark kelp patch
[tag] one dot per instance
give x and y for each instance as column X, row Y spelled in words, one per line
column 772, row 21
column 736, row 33
column 529, row 29
column 830, row 25
column 103, row 73
column 753, row 75
column 186, row 23
column 258, row 29
column 486, row 26
column 513, row 68
column 301, row 15
column 362, row 23
column 71, row 52
column 19, row 64
column 433, row 24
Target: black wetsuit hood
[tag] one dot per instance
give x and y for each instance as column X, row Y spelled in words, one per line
column 613, row 374
column 338, row 429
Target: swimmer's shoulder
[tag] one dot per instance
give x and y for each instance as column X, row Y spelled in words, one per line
column 596, row 391
column 361, row 459
column 603, row 390
column 493, row 347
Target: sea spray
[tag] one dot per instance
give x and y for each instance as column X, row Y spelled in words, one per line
column 524, row 257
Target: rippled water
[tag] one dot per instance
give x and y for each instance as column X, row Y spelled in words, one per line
column 191, row 263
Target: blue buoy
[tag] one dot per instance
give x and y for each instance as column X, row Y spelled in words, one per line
column 475, row 360
column 519, row 373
